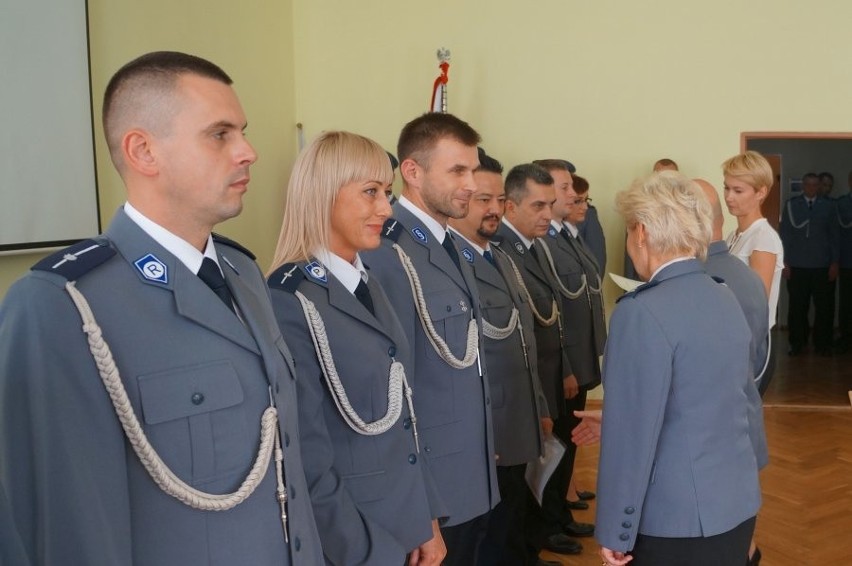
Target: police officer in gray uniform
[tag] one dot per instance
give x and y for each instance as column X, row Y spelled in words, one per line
column 809, row 232
column 529, row 200
column 358, row 426
column 434, row 294
column 518, row 407
column 203, row 385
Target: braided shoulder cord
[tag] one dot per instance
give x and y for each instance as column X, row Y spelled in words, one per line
column 554, row 309
column 438, row 343
column 793, row 220
column 496, row 333
column 562, row 289
column 164, row 477
column 397, row 382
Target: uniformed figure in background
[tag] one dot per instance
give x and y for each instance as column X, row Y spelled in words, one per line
column 518, row 407
column 578, row 284
column 434, row 294
column 844, row 221
column 195, row 364
column 529, row 201
column 809, row 232
column 589, row 230
column 359, row 442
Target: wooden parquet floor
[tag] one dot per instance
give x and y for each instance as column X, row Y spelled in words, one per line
column 806, row 518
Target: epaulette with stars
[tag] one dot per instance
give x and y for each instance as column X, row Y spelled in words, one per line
column 75, row 261
column 219, row 239
column 643, row 287
column 392, row 229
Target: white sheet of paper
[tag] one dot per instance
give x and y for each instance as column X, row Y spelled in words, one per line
column 539, row 470
column 624, row 282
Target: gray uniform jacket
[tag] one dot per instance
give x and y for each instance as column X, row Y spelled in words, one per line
column 197, row 378
column 583, row 324
column 844, row 218
column 751, row 295
column 676, row 456
column 553, row 362
column 593, row 236
column 368, row 492
column 517, row 401
column 810, row 236
column 453, row 405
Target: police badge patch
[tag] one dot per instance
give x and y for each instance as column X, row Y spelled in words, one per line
column 419, row 234
column 152, row 269
column 468, row 254
column 520, row 247
column 316, row 271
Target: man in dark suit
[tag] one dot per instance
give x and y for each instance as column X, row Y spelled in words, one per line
column 518, row 408
column 434, row 294
column 194, row 367
column 809, row 232
column 529, row 201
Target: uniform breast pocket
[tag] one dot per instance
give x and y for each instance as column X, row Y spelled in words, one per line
column 365, row 487
column 195, row 419
column 497, row 310
column 450, row 311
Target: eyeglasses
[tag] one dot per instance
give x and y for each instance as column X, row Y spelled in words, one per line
column 579, row 201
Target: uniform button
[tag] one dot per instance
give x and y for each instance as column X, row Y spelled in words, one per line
column 278, row 388
column 412, row 459
column 629, row 510
column 624, row 536
column 428, row 449
column 197, row 398
column 406, row 423
column 298, row 544
column 286, row 439
column 626, row 524
column 392, row 351
column 449, row 308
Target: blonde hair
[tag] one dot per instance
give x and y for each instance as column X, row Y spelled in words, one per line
column 331, row 161
column 673, row 210
column 751, row 168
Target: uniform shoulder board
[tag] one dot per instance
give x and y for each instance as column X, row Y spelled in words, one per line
column 392, row 229
column 219, row 239
column 287, row 277
column 75, row 261
column 632, row 294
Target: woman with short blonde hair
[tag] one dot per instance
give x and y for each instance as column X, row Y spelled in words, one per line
column 677, row 477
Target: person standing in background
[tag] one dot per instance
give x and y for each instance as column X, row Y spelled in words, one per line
column 809, row 231
column 590, row 230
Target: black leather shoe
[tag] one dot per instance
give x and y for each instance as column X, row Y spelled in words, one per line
column 577, row 505
column 586, row 495
column 562, row 544
column 576, row 529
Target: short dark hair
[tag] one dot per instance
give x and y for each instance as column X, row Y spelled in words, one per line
column 825, row 174
column 516, row 180
column 556, row 164
column 809, row 175
column 666, row 162
column 581, row 185
column 157, row 71
column 419, row 136
column 488, row 163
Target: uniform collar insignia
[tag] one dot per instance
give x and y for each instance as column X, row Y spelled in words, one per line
column 468, row 254
column 152, row 269
column 520, row 247
column 420, row 234
column 316, row 271
column 551, row 232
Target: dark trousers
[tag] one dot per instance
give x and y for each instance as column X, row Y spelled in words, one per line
column 845, row 311
column 464, row 540
column 726, row 549
column 505, row 541
column 554, row 511
column 803, row 285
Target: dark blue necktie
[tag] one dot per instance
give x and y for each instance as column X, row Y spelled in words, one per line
column 362, row 293
column 488, row 257
column 212, row 276
column 451, row 250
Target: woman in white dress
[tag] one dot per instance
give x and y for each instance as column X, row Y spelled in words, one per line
column 748, row 179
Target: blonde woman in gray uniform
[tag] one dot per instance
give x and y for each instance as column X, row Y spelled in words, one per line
column 369, row 488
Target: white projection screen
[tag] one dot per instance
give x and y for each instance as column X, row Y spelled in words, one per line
column 48, row 192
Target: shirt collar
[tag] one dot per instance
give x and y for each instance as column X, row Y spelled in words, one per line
column 573, row 230
column 177, row 246
column 525, row 241
column 431, row 224
column 668, row 263
column 349, row 274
